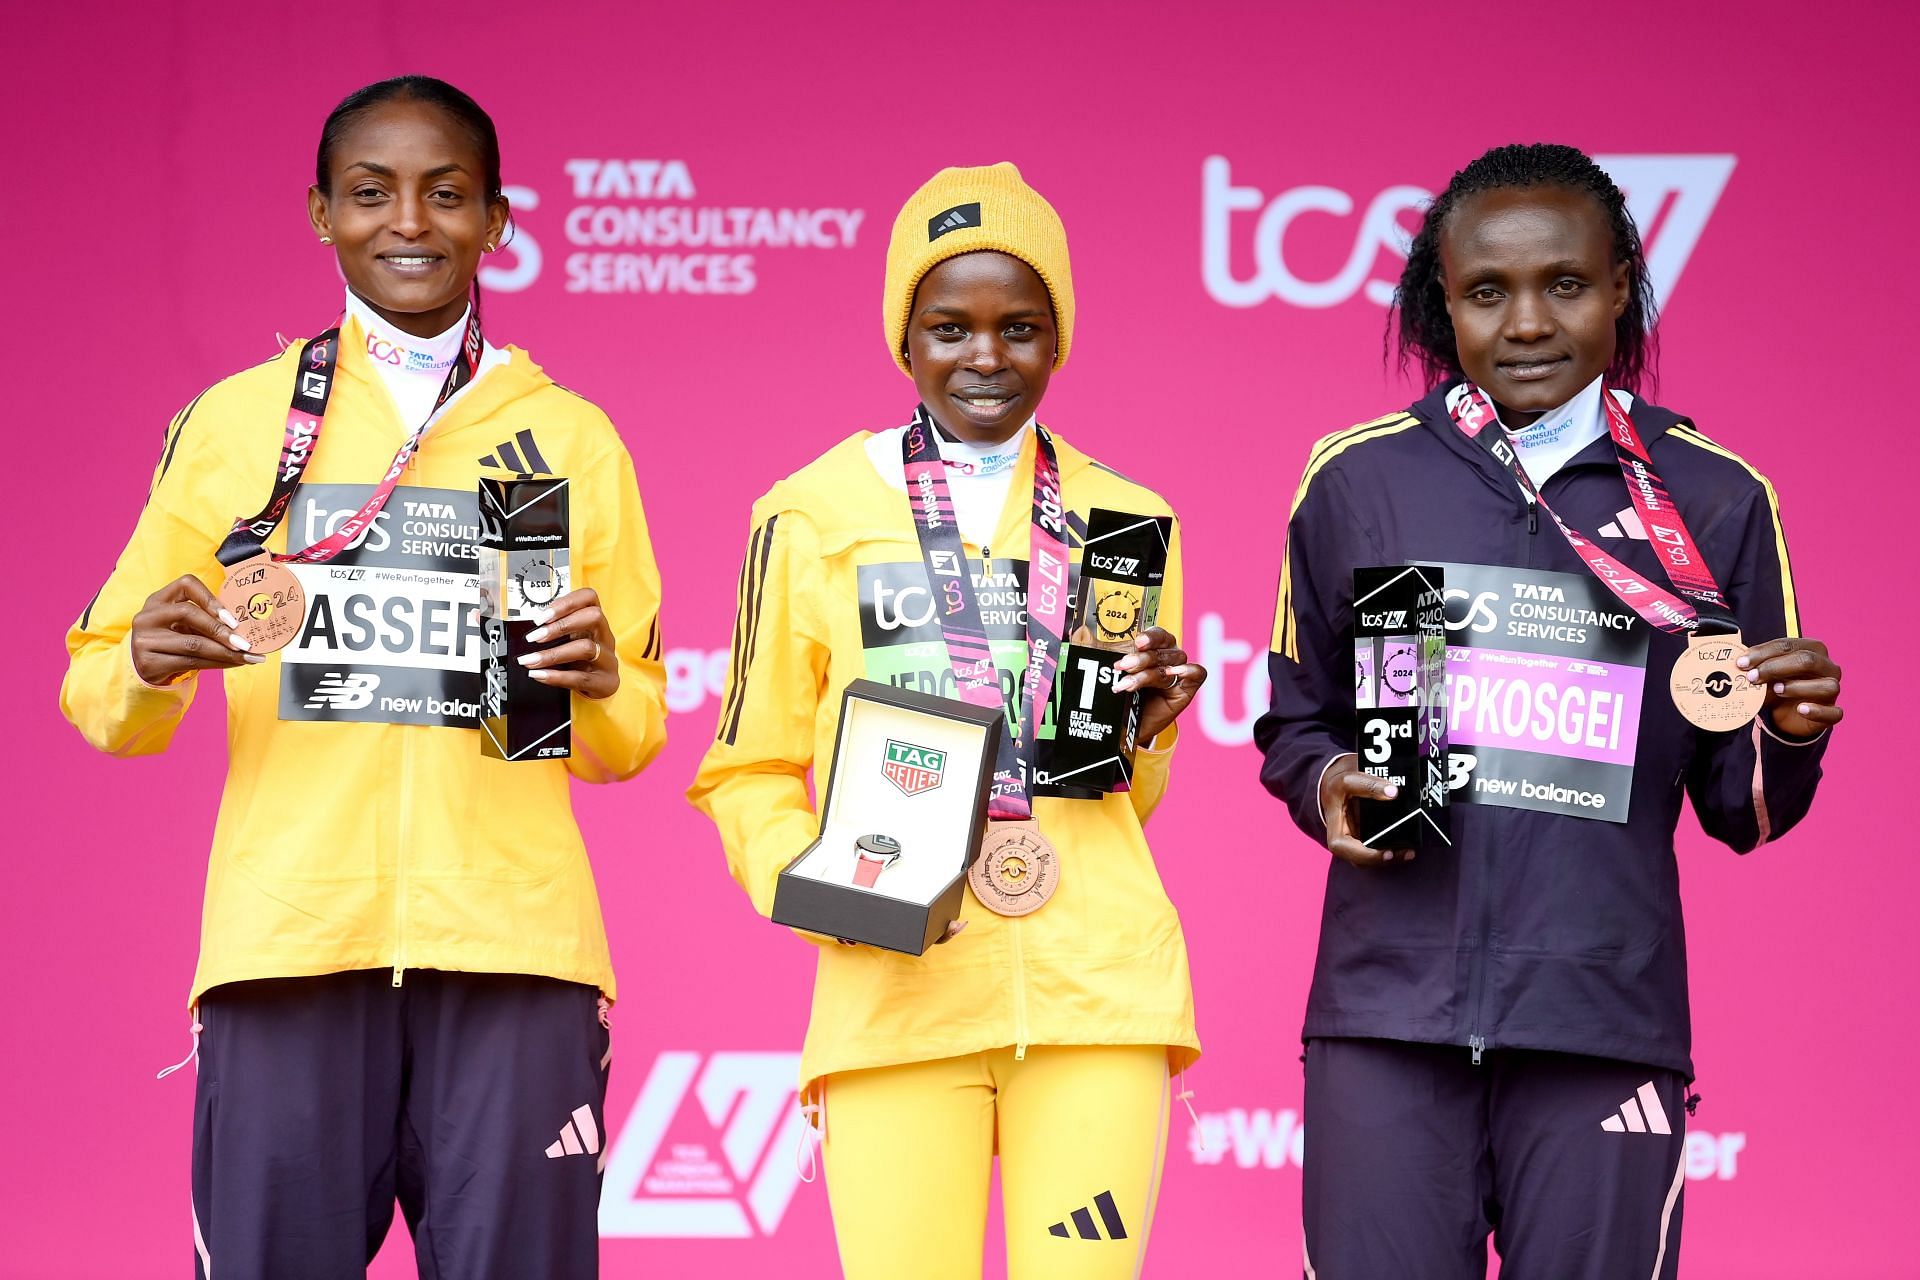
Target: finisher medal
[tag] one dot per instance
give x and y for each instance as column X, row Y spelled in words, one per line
column 1017, row 870
column 267, row 601
column 260, row 591
column 1709, row 689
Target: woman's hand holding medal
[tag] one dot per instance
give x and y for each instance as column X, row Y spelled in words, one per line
column 582, row 656
column 1803, row 684
column 1158, row 667
column 182, row 629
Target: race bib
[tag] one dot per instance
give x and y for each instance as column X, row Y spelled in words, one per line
column 1546, row 674
column 392, row 631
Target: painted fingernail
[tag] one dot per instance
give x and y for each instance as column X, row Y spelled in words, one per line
column 1743, row 661
column 543, row 615
column 1780, row 688
column 1753, row 677
column 543, row 675
column 1124, row 684
column 1392, row 793
column 528, row 659
column 253, row 657
column 1129, row 663
column 537, row 634
column 229, row 619
column 1806, row 708
column 1387, row 856
column 239, row 641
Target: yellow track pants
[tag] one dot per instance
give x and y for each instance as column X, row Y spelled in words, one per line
column 1081, row 1134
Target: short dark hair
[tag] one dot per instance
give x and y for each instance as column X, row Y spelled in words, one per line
column 464, row 110
column 1420, row 328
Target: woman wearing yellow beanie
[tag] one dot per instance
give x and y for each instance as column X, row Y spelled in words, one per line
column 1047, row 1037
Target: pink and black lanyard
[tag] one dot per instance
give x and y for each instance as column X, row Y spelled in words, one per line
column 312, row 388
column 958, row 608
column 1704, row 610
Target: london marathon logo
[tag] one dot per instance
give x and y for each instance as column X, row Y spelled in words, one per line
column 913, row 769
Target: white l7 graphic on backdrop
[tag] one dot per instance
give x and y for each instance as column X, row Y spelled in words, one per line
column 659, row 1189
column 1669, row 196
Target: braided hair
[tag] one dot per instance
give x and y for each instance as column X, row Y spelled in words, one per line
column 1418, row 325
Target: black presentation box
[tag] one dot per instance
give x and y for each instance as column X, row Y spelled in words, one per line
column 912, row 767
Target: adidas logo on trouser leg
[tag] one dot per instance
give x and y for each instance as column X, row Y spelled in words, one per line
column 1641, row 1113
column 580, row 1136
column 1083, row 1223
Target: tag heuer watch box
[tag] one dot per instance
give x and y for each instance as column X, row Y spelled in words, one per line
column 1123, row 564
column 1400, row 703
column 523, row 569
column 901, row 819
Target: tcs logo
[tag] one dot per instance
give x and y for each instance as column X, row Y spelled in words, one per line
column 517, row 263
column 1670, row 198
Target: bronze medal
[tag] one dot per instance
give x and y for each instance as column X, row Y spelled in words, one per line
column 1709, row 689
column 267, row 601
column 1017, row 870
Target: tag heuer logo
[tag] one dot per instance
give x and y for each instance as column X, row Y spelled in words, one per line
column 961, row 215
column 913, row 769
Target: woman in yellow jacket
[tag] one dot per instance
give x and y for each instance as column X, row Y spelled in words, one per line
column 403, row 973
column 1048, row 1038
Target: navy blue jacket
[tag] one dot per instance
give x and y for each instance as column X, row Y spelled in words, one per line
column 1537, row 930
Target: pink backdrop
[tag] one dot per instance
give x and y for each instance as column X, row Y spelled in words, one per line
column 157, row 241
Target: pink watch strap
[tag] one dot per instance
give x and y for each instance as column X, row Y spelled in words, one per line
column 867, row 870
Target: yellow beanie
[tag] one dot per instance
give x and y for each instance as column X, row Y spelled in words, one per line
column 964, row 211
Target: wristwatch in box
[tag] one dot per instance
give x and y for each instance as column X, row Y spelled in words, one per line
column 877, row 853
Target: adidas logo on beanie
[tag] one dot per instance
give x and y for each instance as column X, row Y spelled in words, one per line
column 961, row 215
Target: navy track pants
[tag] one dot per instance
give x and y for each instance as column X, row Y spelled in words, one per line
column 1414, row 1153
column 476, row 1101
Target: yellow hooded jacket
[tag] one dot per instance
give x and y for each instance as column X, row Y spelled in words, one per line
column 828, row 595
column 363, row 845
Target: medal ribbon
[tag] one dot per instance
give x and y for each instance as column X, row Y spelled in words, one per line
column 1704, row 609
column 958, row 608
column 312, row 388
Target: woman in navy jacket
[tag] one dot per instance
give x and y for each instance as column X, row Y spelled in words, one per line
column 1498, row 1035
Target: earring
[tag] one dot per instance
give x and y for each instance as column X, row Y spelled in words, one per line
column 326, row 239
column 489, row 246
